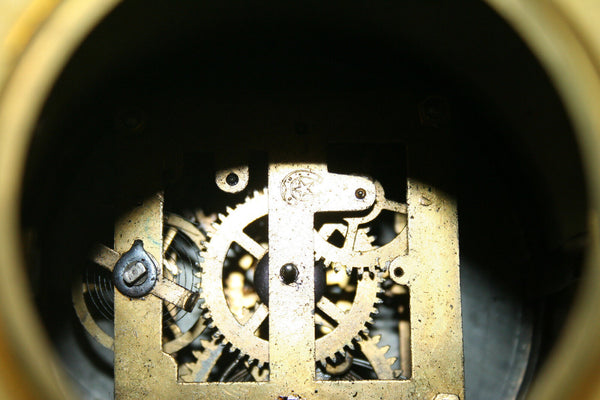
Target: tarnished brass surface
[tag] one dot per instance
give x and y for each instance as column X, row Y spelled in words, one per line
column 564, row 34
column 296, row 192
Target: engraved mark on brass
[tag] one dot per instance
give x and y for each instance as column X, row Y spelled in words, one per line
column 299, row 186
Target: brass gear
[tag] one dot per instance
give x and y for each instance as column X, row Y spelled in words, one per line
column 206, row 359
column 240, row 334
column 358, row 251
column 376, row 356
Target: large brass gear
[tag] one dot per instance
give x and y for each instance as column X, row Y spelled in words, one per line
column 357, row 251
column 241, row 334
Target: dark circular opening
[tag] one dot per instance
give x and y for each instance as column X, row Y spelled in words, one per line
column 232, row 179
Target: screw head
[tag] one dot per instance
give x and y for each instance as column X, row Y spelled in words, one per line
column 134, row 273
column 232, row 179
column 360, row 193
column 288, row 273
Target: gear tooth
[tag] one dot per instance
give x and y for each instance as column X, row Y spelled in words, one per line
column 255, row 193
column 221, row 217
column 204, row 254
column 376, row 339
column 215, row 225
column 378, row 301
column 350, row 346
column 392, row 360
column 209, row 228
column 385, row 349
column 228, row 210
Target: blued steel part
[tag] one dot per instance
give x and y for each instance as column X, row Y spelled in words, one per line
column 164, row 288
column 104, row 256
column 136, row 254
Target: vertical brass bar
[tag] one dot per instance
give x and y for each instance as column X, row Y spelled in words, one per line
column 291, row 307
column 138, row 322
column 435, row 306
